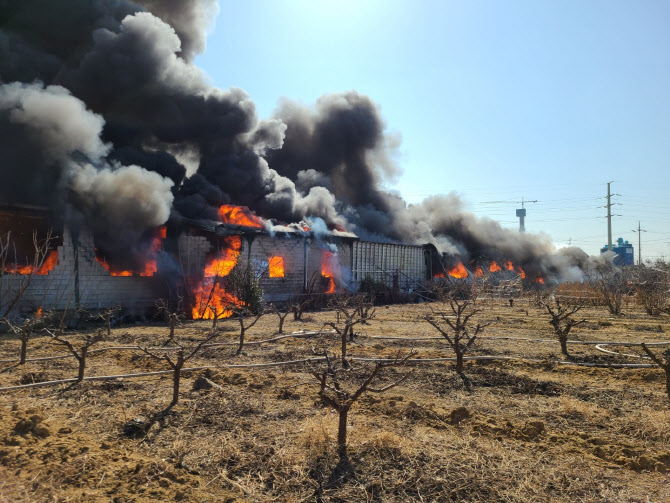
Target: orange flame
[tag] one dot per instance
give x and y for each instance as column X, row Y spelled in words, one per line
column 210, row 298
column 458, row 271
column 327, row 259
column 539, row 281
column 522, row 273
column 493, row 267
column 47, row 266
column 509, row 266
column 478, row 272
column 276, row 267
column 39, row 313
column 239, row 215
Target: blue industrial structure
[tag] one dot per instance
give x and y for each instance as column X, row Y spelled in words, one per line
column 624, row 250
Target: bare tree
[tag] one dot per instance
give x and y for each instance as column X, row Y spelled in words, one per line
column 15, row 278
column 366, row 308
column 25, row 331
column 348, row 315
column 79, row 353
column 107, row 314
column 218, row 313
column 610, row 284
column 335, row 389
column 562, row 321
column 281, row 314
column 301, row 302
column 662, row 363
column 173, row 316
column 241, row 314
column 653, row 290
column 455, row 325
column 176, row 364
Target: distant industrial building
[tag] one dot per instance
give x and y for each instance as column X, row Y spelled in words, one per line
column 624, row 251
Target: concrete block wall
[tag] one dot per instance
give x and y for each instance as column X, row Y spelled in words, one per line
column 193, row 250
column 292, row 249
column 96, row 287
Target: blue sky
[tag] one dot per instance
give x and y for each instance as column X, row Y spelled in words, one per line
column 496, row 100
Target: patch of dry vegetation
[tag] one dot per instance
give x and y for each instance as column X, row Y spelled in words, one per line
column 516, row 431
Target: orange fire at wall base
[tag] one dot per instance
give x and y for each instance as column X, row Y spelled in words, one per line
column 47, row 266
column 493, row 267
column 239, row 215
column 209, row 296
column 276, row 267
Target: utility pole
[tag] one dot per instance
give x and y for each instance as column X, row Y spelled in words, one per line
column 639, row 242
column 609, row 215
column 609, row 218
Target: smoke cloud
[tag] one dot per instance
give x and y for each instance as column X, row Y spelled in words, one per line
column 127, row 132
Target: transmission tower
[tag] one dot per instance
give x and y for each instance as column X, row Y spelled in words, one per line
column 639, row 231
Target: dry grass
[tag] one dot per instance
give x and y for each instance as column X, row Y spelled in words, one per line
column 534, row 431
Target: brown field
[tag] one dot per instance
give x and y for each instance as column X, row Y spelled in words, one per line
column 535, row 430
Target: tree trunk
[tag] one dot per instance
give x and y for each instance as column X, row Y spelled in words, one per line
column 281, row 324
column 173, row 319
column 342, row 433
column 667, row 382
column 345, row 364
column 82, row 364
column 24, row 347
column 176, row 377
column 564, row 346
column 459, row 362
column 109, row 325
column 242, row 330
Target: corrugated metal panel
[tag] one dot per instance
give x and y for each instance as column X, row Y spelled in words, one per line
column 382, row 261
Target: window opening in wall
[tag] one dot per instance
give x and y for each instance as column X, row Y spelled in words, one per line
column 276, row 267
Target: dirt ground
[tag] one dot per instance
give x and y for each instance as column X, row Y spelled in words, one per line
column 512, row 431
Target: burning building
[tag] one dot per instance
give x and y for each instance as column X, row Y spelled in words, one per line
column 198, row 254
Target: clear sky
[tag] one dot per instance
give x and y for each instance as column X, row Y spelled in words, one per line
column 496, row 100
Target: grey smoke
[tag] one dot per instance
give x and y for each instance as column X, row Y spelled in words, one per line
column 58, row 127
column 190, row 20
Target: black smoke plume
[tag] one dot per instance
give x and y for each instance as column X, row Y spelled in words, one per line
column 103, row 112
